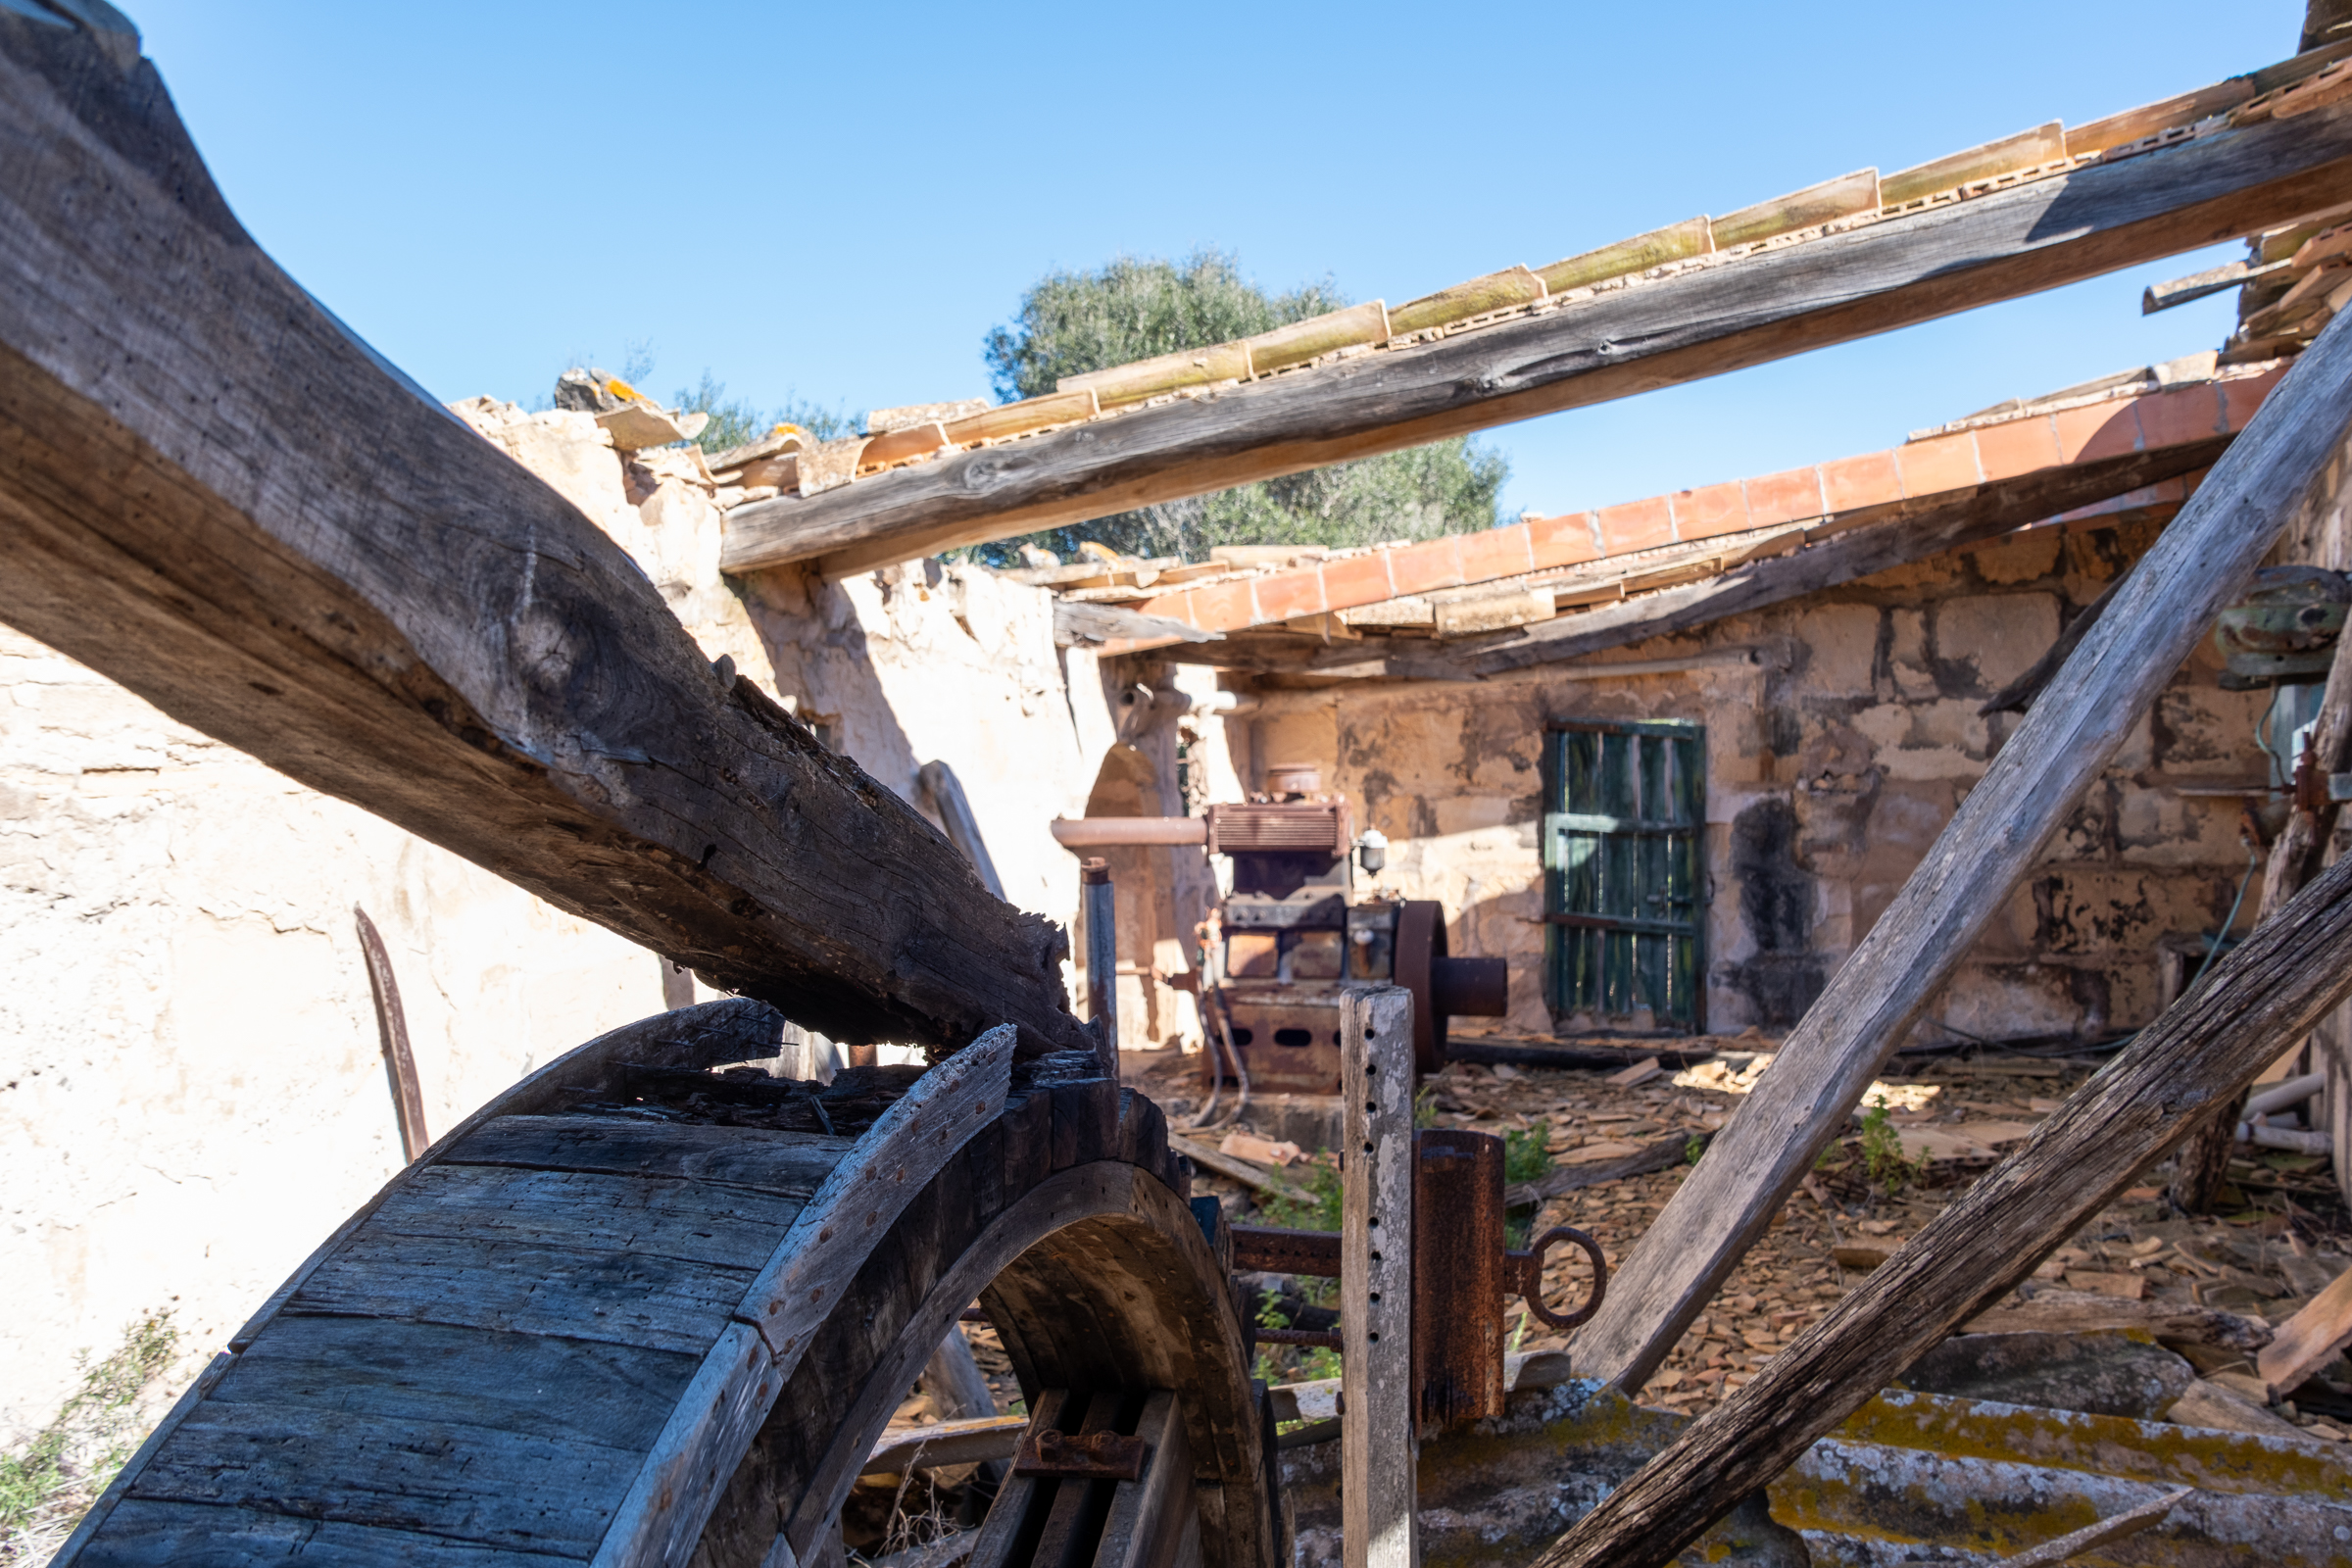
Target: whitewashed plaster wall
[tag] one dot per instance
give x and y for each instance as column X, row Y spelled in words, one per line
column 192, row 1093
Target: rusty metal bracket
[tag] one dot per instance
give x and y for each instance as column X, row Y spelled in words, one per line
column 1080, row 1456
column 1264, row 1250
column 1523, row 1275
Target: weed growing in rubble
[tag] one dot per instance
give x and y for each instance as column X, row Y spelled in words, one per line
column 1883, row 1157
column 66, row 1465
column 1318, row 1211
column 1525, row 1156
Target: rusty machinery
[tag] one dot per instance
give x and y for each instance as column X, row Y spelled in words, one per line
column 1462, row 1270
column 1293, row 932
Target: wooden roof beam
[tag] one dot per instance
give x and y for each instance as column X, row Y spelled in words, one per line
column 213, row 493
column 1769, row 303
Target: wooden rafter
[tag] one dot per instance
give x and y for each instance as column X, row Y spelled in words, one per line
column 1746, row 309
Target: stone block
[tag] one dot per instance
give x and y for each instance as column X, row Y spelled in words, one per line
column 1843, row 643
column 2000, row 634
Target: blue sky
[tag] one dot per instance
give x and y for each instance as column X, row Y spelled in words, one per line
column 837, row 204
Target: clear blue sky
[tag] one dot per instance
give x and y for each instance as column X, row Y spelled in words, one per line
column 838, row 203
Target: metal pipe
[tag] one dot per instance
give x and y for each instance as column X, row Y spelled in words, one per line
column 1114, row 832
column 1101, row 959
column 2279, row 1096
column 2286, row 1138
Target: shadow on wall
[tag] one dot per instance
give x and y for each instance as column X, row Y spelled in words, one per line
column 1781, row 976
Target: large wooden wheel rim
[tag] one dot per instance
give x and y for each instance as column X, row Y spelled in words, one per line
column 541, row 1409
column 1099, row 1277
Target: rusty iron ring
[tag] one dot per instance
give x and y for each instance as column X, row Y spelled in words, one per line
column 1527, row 1276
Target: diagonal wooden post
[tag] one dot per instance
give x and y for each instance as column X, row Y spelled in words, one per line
column 2201, row 1054
column 1377, row 1457
column 2196, row 565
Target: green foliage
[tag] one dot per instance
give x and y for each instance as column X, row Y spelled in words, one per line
column 1132, row 308
column 738, row 422
column 1883, row 1157
column 1318, row 1211
column 1696, row 1147
column 1523, row 1155
column 1425, row 1108
column 69, row 1461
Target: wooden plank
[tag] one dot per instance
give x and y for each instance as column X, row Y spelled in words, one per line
column 698, row 1222
column 615, row 1394
column 586, row 1293
column 791, row 1164
column 2131, row 1522
column 967, row 1441
column 1209, row 1158
column 1149, row 1518
column 1075, row 1516
column 804, row 1278
column 2196, row 565
column 440, row 639
column 177, row 1534
column 2307, row 1341
column 1705, row 320
column 2081, row 1312
column 441, row 1479
column 1380, row 1526
column 1000, row 1543
column 2201, row 1053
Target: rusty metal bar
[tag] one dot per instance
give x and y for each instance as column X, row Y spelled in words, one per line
column 392, row 1026
column 1264, row 1250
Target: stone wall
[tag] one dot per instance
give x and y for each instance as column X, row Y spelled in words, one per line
column 1832, row 765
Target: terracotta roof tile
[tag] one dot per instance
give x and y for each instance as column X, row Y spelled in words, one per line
column 2018, row 447
column 1940, row 464
column 1563, row 540
column 1785, row 497
column 1710, row 510
column 1635, row 526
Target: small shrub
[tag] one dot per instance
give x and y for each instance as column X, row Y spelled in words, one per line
column 1883, row 1157
column 1524, row 1158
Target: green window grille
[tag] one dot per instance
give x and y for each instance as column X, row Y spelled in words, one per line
column 1624, row 900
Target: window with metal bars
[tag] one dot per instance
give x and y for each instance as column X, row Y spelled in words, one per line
column 1624, row 874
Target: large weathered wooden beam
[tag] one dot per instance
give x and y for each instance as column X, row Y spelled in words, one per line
column 213, row 493
column 1767, row 305
column 2164, row 608
column 2199, row 1056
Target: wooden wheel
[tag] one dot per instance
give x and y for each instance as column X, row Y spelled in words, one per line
column 568, row 1332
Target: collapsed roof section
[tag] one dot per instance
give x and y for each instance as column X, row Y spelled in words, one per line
column 1556, row 587
column 1853, row 256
